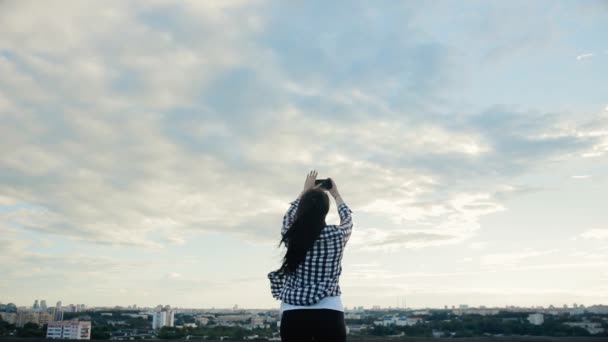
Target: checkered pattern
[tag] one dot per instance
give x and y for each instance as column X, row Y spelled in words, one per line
column 318, row 275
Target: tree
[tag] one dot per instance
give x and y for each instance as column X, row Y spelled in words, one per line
column 100, row 333
column 170, row 333
column 30, row 330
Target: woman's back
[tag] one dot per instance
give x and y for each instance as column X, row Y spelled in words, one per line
column 307, row 282
column 318, row 275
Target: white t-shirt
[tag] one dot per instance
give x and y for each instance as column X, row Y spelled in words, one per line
column 331, row 302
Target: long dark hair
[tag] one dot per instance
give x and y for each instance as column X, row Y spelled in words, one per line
column 306, row 228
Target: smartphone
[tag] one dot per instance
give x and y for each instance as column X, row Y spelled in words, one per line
column 326, row 183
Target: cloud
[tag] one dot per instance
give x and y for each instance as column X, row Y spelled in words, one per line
column 479, row 245
column 198, row 118
column 173, row 275
column 589, row 255
column 391, row 240
column 595, row 234
column 374, row 282
column 584, row 56
column 135, row 131
column 511, row 259
column 20, row 263
column 581, row 177
column 596, row 292
column 424, row 224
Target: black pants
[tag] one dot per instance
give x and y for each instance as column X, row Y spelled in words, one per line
column 313, row 325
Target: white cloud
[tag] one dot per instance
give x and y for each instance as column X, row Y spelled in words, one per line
column 148, row 123
column 595, row 234
column 581, row 177
column 584, row 56
column 391, row 240
column 589, row 255
column 174, row 275
column 423, row 224
column 479, row 245
column 509, row 259
column 115, row 173
column 592, row 154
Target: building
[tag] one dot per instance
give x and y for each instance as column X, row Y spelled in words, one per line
column 69, row 330
column 257, row 322
column 40, row 318
column 43, row 306
column 399, row 321
column 201, row 320
column 353, row 316
column 45, row 318
column 36, row 306
column 232, row 320
column 10, row 307
column 578, row 311
column 592, row 328
column 24, row 317
column 10, row 317
column 137, row 315
column 482, row 312
column 421, row 313
column 598, row 309
column 355, row 328
column 57, row 314
column 536, row 319
column 164, row 317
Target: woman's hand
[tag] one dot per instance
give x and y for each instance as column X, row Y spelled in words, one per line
column 309, row 183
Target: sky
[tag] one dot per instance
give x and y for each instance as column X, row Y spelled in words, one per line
column 150, row 149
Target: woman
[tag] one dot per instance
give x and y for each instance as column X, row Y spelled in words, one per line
column 307, row 281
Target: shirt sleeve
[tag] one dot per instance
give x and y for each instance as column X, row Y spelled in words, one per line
column 277, row 281
column 346, row 221
column 290, row 216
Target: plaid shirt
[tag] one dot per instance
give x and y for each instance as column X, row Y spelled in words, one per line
column 318, row 275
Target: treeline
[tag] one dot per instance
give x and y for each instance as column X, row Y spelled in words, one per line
column 5, row 328
column 477, row 325
column 98, row 318
column 215, row 332
column 101, row 327
column 28, row 330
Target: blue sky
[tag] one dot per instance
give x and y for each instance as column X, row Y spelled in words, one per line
column 151, row 148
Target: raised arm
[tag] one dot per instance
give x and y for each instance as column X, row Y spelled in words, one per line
column 290, row 215
column 346, row 220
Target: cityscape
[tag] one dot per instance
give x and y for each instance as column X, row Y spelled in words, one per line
column 132, row 322
column 212, row 170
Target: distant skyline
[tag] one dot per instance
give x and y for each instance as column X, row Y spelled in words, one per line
column 150, row 148
column 397, row 306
